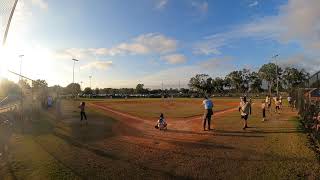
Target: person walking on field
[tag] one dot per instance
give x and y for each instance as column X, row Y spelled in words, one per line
column 82, row 111
column 268, row 102
column 263, row 107
column 289, row 101
column 278, row 105
column 250, row 110
column 208, row 105
column 244, row 109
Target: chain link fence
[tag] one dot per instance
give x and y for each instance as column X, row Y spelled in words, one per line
column 6, row 11
column 307, row 102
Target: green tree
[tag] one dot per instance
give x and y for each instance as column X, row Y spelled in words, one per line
column 293, row 78
column 236, row 80
column 227, row 82
column 73, row 88
column 56, row 89
column 24, row 84
column 245, row 75
column 255, row 82
column 39, row 84
column 8, row 88
column 202, row 83
column 87, row 90
column 268, row 72
column 40, row 89
column 219, row 84
column 139, row 88
column 97, row 91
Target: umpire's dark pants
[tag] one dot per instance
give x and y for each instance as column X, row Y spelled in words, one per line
column 83, row 114
column 207, row 118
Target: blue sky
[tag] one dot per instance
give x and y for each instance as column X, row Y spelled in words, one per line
column 122, row 43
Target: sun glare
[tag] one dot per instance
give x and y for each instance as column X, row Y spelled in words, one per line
column 35, row 62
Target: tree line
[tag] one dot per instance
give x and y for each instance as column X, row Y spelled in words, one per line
column 246, row 81
column 238, row 81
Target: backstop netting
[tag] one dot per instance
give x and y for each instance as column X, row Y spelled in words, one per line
column 33, row 97
column 6, row 10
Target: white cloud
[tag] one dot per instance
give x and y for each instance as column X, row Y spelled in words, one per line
column 101, row 65
column 261, row 29
column 174, row 58
column 152, row 43
column 40, row 3
column 254, row 3
column 302, row 22
column 156, row 43
column 210, row 45
column 310, row 64
column 160, row 4
column 78, row 53
column 213, row 63
column 215, row 67
column 297, row 21
column 131, row 48
column 201, row 6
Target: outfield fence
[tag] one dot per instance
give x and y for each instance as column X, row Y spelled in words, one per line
column 8, row 116
column 308, row 105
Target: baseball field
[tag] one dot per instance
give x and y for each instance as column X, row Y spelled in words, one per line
column 119, row 141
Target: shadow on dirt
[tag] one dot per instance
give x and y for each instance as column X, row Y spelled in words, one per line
column 216, row 133
column 93, row 130
column 260, row 131
column 198, row 145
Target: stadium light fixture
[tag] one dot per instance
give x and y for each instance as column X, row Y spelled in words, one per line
column 74, row 62
column 274, row 57
column 21, row 56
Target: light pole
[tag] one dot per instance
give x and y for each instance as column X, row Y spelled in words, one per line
column 274, row 57
column 21, row 88
column 20, row 56
column 81, row 84
column 90, row 81
column 74, row 62
column 162, row 93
